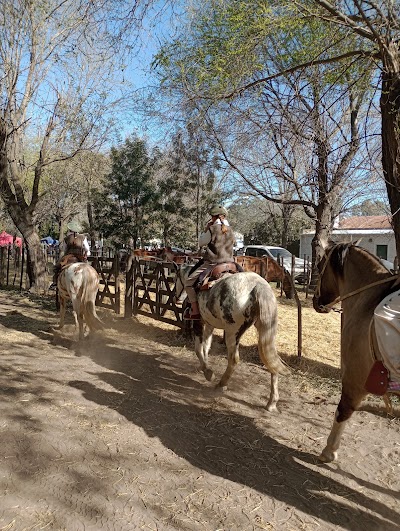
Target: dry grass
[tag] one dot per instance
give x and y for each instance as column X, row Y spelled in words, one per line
column 320, row 337
column 320, row 349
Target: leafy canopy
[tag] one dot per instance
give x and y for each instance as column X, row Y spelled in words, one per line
column 226, row 46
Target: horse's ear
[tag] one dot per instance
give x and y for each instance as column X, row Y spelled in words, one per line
column 323, row 243
column 357, row 242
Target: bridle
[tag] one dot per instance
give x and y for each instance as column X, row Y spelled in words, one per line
column 341, row 298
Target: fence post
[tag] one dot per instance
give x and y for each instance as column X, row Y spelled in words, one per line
column 117, row 285
column 22, row 266
column 2, row 266
column 129, row 289
column 9, row 248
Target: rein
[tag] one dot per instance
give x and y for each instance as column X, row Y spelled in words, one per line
column 340, row 298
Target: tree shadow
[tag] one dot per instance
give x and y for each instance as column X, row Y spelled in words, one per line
column 16, row 320
column 175, row 408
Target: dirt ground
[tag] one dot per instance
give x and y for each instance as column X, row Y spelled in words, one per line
column 124, row 433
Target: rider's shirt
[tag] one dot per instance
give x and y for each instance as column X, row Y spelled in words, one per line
column 220, row 244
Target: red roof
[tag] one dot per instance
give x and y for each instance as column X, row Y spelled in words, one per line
column 365, row 222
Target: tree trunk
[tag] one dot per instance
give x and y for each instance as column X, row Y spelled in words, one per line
column 323, row 230
column 390, row 110
column 93, row 233
column 36, row 265
column 22, row 217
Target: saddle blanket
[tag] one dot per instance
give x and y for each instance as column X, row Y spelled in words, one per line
column 387, row 329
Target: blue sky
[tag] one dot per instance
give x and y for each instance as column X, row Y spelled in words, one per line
column 158, row 27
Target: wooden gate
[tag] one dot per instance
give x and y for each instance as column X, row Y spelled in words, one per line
column 109, row 294
column 150, row 290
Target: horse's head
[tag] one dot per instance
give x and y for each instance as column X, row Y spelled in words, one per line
column 182, row 272
column 330, row 268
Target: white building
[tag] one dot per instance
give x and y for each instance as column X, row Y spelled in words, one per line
column 239, row 240
column 374, row 232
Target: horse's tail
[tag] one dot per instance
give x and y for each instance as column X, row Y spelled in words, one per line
column 91, row 318
column 89, row 292
column 266, row 325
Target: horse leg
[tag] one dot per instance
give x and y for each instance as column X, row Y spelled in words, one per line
column 232, row 345
column 388, row 403
column 274, row 395
column 63, row 304
column 203, row 339
column 81, row 329
column 77, row 310
column 269, row 357
column 347, row 405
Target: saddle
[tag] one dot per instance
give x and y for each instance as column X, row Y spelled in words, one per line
column 65, row 261
column 68, row 259
column 207, row 278
column 379, row 381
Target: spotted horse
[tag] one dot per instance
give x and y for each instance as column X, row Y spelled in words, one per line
column 234, row 303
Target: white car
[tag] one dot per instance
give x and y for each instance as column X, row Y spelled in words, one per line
column 277, row 253
column 387, row 264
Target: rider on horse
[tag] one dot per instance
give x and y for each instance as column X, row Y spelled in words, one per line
column 219, row 239
column 75, row 244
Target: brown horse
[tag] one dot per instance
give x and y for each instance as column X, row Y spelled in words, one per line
column 268, row 269
column 357, row 279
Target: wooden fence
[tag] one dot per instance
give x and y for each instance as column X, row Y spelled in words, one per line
column 13, row 273
column 109, row 294
column 13, row 267
column 150, row 290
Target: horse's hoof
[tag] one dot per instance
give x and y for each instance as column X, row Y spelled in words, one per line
column 272, row 407
column 221, row 387
column 208, row 373
column 327, row 457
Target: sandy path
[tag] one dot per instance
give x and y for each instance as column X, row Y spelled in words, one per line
column 124, row 434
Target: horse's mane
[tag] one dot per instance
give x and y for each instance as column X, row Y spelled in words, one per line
column 340, row 252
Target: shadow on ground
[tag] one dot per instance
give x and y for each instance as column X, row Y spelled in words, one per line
column 175, row 408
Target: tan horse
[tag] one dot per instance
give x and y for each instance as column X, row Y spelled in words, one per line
column 79, row 282
column 357, row 279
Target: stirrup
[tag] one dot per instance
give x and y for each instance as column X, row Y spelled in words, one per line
column 192, row 317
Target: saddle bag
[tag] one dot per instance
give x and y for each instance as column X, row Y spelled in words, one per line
column 378, row 379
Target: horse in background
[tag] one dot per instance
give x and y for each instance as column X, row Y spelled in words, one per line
column 234, row 303
column 179, row 257
column 354, row 277
column 164, row 254
column 79, row 282
column 268, row 269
